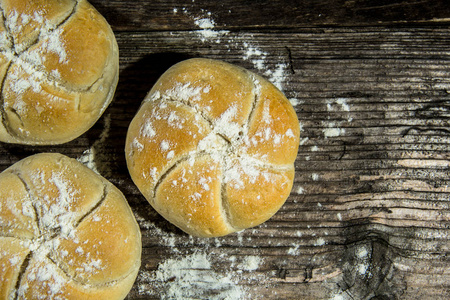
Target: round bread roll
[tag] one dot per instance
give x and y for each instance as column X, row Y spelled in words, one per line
column 65, row 232
column 212, row 147
column 59, row 66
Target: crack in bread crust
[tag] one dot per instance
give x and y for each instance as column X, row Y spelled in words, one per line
column 256, row 99
column 224, row 205
column 189, row 104
column 85, row 283
column 165, row 172
column 39, row 37
column 92, row 210
column 33, row 200
column 23, row 269
column 4, row 120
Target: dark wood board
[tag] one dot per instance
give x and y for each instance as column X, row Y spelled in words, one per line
column 369, row 214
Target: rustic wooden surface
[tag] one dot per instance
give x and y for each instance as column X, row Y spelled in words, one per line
column 369, row 214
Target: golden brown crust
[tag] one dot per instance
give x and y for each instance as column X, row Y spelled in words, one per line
column 164, row 118
column 12, row 256
column 264, row 194
column 65, row 231
column 24, row 26
column 60, row 70
column 17, row 213
column 191, row 195
column 212, row 147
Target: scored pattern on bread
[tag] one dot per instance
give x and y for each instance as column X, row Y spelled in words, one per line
column 212, row 147
column 58, row 69
column 65, row 233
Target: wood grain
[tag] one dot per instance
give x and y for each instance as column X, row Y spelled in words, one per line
column 369, row 214
column 241, row 15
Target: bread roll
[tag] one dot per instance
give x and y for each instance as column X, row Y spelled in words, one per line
column 212, row 147
column 59, row 66
column 65, row 233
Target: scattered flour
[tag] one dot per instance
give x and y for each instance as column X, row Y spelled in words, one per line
column 339, row 297
column 278, row 77
column 294, row 101
column 333, row 132
column 206, row 25
column 195, row 275
column 343, row 103
column 294, row 250
column 31, row 60
column 361, row 252
column 250, row 263
column 191, row 277
column 95, row 157
column 320, row 242
column 258, row 57
column 363, row 260
column 334, row 129
column 304, row 141
column 224, row 139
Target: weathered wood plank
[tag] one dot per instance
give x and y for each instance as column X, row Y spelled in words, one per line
column 257, row 15
column 369, row 215
column 370, row 197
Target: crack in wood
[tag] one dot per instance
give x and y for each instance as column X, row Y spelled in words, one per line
column 439, row 131
column 291, row 61
column 436, row 110
column 308, row 274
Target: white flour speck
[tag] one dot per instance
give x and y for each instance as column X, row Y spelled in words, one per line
column 333, row 132
column 205, row 23
column 250, row 263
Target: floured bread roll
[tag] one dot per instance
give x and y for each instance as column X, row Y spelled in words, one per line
column 59, row 66
column 65, row 233
column 212, row 147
